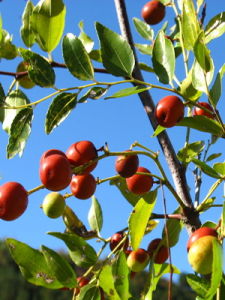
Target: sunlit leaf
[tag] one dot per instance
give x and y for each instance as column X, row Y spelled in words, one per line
column 7, row 49
column 93, row 93
column 216, row 27
column 216, row 89
column 201, row 79
column 95, row 216
column 143, row 29
column 106, row 281
column 26, row 30
column 85, row 39
column 129, row 91
column 144, row 48
column 206, row 168
column 198, row 284
column 202, row 54
column 190, row 150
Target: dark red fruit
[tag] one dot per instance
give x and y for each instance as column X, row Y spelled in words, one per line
column 153, row 12
column 169, row 111
column 162, row 253
column 13, row 201
column 83, row 186
column 126, row 166
column 55, row 170
column 201, row 112
column 82, row 281
column 138, row 183
column 202, row 231
column 116, row 239
column 82, row 152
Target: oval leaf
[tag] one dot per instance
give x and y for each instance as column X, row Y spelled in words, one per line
column 90, row 292
column 60, row 108
column 200, row 79
column 205, row 168
column 202, row 54
column 143, row 29
column 216, row 27
column 216, row 89
column 106, row 281
column 128, row 91
column 26, row 30
column 95, row 217
column 117, row 55
column 76, row 58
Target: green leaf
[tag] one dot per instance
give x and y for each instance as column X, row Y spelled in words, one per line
column 59, row 109
column 59, row 266
column 202, row 54
column 106, row 281
column 223, row 221
column 139, row 217
column 143, row 29
column 26, row 30
column 93, row 93
column 216, row 89
column 47, row 21
column 201, row 79
column 144, row 48
column 85, row 39
column 163, row 58
column 20, row 130
column 117, row 55
column 215, row 28
column 90, row 292
column 205, row 168
column 40, row 71
column 2, row 103
column 76, row 58
column 219, row 168
column 95, row 216
column 79, row 250
column 198, row 284
column 145, row 67
column 206, row 204
column 187, row 89
column 213, row 156
column 95, row 55
column 158, row 130
column 14, row 98
column 202, row 123
column 190, row 24
column 32, row 264
column 120, row 273
column 190, row 151
column 128, row 92
column 7, row 49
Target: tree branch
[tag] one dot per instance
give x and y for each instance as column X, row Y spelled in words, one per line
column 177, row 170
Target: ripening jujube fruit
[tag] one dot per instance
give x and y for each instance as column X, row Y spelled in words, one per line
column 13, row 200
column 83, row 186
column 201, row 112
column 80, row 153
column 24, row 81
column 140, row 183
column 116, row 238
column 55, row 171
column 82, row 281
column 138, row 259
column 162, row 253
column 169, row 111
column 126, row 165
column 153, row 12
column 197, row 234
column 53, row 205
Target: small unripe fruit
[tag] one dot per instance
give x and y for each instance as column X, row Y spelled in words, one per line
column 199, row 233
column 153, row 12
column 55, row 171
column 13, row 201
column 24, row 81
column 200, row 255
column 139, row 183
column 53, row 205
column 137, row 260
column 126, row 166
column 162, row 253
column 116, row 238
column 201, row 112
column 83, row 186
column 82, row 152
column 169, row 111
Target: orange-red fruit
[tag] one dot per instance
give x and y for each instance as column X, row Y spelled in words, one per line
column 137, row 260
column 126, row 166
column 197, row 234
column 153, row 12
column 116, row 239
column 82, row 152
column 82, row 281
column 13, row 200
column 83, row 186
column 162, row 253
column 169, row 111
column 201, row 112
column 55, row 170
column 140, row 183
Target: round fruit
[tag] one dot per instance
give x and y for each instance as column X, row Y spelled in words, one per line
column 153, row 12
column 55, row 171
column 82, row 281
column 201, row 112
column 162, row 253
column 24, row 81
column 116, row 238
column 200, row 255
column 199, row 233
column 13, row 200
column 169, row 111
column 83, row 186
column 51, row 152
column 137, row 260
column 82, row 152
column 53, row 205
column 126, row 166
column 140, row 183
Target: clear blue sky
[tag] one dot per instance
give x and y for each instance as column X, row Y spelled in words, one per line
column 118, row 122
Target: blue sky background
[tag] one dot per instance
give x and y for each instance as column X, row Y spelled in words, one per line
column 119, row 122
